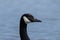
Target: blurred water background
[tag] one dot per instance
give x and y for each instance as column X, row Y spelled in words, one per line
column 46, row 10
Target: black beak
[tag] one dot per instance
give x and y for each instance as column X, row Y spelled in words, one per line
column 36, row 20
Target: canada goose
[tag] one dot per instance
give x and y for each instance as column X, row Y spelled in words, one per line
column 25, row 19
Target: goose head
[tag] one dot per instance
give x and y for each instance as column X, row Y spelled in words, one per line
column 28, row 18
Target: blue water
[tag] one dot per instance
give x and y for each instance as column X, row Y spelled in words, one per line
column 46, row 10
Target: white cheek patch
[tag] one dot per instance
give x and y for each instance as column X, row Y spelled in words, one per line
column 26, row 20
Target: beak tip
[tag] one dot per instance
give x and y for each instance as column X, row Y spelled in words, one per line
column 39, row 21
column 36, row 20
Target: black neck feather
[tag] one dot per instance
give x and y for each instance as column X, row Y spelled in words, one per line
column 23, row 30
